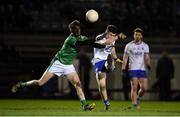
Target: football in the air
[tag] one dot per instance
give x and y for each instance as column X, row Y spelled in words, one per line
column 92, row 16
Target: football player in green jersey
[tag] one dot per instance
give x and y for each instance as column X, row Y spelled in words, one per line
column 62, row 63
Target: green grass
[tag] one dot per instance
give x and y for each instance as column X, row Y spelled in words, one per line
column 72, row 108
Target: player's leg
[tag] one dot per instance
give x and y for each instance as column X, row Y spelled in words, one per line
column 100, row 72
column 143, row 86
column 74, row 79
column 134, row 86
column 110, row 63
column 101, row 80
column 54, row 68
column 143, row 82
column 45, row 77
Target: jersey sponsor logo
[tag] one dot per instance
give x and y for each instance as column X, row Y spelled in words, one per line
column 136, row 53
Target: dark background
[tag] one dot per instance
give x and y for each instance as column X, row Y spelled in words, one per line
column 32, row 31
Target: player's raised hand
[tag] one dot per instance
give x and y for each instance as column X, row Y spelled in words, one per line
column 122, row 36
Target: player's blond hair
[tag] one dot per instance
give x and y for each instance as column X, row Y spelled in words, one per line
column 73, row 24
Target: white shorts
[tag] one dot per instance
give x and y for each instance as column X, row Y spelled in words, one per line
column 60, row 69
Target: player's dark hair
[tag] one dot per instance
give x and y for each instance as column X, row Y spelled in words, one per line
column 73, row 24
column 138, row 30
column 112, row 28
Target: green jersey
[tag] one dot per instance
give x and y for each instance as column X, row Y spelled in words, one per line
column 68, row 51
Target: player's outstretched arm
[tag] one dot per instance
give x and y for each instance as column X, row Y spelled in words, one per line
column 105, row 41
column 89, row 43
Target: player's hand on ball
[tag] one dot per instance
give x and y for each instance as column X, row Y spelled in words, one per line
column 122, row 36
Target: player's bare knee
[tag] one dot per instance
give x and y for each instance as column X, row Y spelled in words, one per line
column 102, row 87
column 78, row 84
column 35, row 82
column 134, row 89
column 39, row 83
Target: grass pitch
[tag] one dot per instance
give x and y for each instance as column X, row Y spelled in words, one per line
column 73, row 108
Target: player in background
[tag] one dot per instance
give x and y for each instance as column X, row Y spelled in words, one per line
column 62, row 63
column 139, row 60
column 103, row 60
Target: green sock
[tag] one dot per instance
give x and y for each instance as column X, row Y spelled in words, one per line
column 83, row 102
